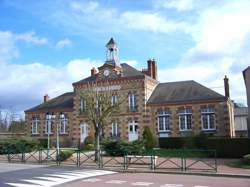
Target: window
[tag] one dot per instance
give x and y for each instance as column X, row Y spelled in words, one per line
column 83, row 105
column 35, row 123
column 115, row 130
column 63, row 124
column 49, row 123
column 113, row 100
column 208, row 118
column 185, row 119
column 132, row 102
column 163, row 121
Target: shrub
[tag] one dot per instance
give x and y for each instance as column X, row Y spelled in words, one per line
column 18, row 146
column 246, row 159
column 148, row 138
column 89, row 147
column 120, row 148
column 64, row 155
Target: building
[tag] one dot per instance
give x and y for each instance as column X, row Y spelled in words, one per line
column 241, row 121
column 246, row 75
column 170, row 109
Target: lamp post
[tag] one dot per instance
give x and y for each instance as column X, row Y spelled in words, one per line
column 48, row 127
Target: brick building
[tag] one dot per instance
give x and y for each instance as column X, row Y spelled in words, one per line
column 170, row 109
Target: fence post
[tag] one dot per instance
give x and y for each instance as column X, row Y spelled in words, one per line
column 215, row 157
column 40, row 155
column 78, row 158
column 23, row 156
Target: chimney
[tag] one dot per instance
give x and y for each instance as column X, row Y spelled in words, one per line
column 45, row 98
column 226, row 87
column 149, row 67
column 93, row 71
column 152, row 68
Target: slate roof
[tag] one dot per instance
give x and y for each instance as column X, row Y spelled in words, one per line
column 111, row 41
column 241, row 111
column 128, row 71
column 182, row 92
column 61, row 102
column 244, row 73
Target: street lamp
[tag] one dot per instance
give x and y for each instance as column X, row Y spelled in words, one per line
column 48, row 126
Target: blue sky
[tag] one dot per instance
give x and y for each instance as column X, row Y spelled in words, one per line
column 47, row 45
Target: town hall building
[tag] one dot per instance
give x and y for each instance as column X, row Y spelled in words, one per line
column 170, row 109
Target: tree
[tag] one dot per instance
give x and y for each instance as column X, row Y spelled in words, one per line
column 148, row 138
column 99, row 108
column 17, row 126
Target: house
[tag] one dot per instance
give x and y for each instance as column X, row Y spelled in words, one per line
column 246, row 76
column 241, row 121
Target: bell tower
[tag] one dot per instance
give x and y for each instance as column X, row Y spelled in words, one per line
column 112, row 57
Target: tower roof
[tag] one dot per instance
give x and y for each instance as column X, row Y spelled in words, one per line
column 111, row 42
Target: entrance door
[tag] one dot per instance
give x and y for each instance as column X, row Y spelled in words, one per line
column 84, row 131
column 132, row 131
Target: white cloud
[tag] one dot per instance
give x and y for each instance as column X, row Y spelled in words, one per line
column 23, row 86
column 31, row 37
column 179, row 5
column 63, row 43
column 222, row 45
column 150, row 22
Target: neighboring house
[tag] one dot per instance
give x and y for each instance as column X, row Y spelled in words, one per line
column 246, row 75
column 241, row 121
column 170, row 109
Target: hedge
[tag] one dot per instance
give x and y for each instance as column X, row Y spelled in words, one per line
column 225, row 147
column 17, row 146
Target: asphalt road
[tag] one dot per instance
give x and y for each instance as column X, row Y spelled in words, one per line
column 25, row 175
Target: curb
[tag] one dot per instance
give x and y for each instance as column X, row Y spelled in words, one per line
column 231, row 175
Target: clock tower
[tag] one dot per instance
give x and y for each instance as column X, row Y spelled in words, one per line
column 112, row 56
column 111, row 68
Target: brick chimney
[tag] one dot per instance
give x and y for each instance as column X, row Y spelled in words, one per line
column 93, row 71
column 45, row 98
column 152, row 69
column 226, row 87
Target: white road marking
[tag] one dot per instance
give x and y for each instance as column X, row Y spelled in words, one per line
column 142, row 183
column 201, row 186
column 172, row 185
column 91, row 180
column 115, row 182
column 60, row 178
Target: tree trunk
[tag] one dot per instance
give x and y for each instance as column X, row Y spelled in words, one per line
column 97, row 145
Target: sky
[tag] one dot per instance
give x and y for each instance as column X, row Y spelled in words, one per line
column 47, row 45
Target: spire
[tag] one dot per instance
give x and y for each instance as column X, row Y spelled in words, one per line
column 112, row 53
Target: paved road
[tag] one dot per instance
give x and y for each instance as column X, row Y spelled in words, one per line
column 25, row 175
column 159, row 180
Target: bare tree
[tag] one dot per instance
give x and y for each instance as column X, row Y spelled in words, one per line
column 99, row 108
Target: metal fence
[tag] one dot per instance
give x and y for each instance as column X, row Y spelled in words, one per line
column 180, row 160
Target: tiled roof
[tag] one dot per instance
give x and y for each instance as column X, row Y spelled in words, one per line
column 128, row 71
column 61, row 102
column 182, row 92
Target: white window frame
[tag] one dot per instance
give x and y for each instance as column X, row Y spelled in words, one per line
column 64, row 124
column 83, row 105
column 115, row 130
column 185, row 112
column 113, row 100
column 48, row 124
column 35, row 123
column 165, row 115
column 207, row 112
column 131, row 101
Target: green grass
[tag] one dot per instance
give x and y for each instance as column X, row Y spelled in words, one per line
column 180, row 153
column 239, row 164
